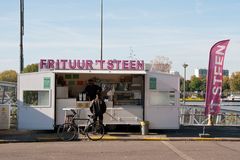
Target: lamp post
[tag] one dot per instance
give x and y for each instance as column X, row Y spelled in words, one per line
column 21, row 34
column 101, row 29
column 184, row 82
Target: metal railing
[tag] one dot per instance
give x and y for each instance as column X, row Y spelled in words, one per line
column 8, row 92
column 13, row 115
column 193, row 115
column 8, row 96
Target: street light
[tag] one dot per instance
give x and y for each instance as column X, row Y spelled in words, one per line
column 101, row 29
column 21, row 34
column 184, row 85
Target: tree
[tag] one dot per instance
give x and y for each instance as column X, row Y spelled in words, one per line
column 162, row 64
column 9, row 76
column 198, row 84
column 226, row 84
column 31, row 68
column 203, row 84
column 194, row 84
column 187, row 89
column 187, row 85
column 187, row 82
column 235, row 82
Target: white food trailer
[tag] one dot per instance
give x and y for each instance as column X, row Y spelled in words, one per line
column 132, row 93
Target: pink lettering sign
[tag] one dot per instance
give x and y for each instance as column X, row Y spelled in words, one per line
column 76, row 64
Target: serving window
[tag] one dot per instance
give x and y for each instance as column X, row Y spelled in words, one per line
column 117, row 89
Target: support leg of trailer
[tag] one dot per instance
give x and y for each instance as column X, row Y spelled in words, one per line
column 204, row 134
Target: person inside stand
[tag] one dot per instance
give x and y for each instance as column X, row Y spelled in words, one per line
column 98, row 108
column 91, row 90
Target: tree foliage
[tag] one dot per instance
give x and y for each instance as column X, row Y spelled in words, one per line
column 9, row 76
column 161, row 63
column 187, row 82
column 235, row 82
column 226, row 84
column 196, row 84
column 203, row 84
column 231, row 84
column 31, row 68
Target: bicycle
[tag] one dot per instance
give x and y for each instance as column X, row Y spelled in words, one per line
column 70, row 130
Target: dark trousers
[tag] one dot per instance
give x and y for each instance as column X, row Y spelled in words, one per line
column 100, row 117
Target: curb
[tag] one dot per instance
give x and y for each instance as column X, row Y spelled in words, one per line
column 170, row 139
column 112, row 138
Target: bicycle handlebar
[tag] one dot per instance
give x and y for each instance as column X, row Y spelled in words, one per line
column 73, row 111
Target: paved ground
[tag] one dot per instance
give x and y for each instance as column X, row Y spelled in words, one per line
column 183, row 134
column 121, row 150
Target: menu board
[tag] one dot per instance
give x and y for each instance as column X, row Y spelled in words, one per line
column 4, row 117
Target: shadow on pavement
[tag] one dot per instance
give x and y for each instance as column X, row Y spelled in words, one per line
column 122, row 132
column 194, row 131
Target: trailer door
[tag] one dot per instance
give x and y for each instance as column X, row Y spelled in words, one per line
column 162, row 100
column 36, row 92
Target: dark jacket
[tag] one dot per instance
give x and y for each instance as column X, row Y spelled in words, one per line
column 98, row 107
column 91, row 91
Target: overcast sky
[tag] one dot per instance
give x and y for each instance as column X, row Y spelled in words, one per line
column 184, row 31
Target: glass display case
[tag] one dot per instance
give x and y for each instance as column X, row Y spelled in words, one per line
column 128, row 97
column 127, row 90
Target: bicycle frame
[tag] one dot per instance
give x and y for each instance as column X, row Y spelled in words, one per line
column 77, row 118
column 94, row 130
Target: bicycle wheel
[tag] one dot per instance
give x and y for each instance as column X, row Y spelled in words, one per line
column 67, row 132
column 95, row 131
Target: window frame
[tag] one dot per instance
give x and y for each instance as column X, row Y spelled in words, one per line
column 172, row 98
column 37, row 106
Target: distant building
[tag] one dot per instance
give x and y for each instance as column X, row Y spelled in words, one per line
column 226, row 72
column 203, row 72
column 200, row 72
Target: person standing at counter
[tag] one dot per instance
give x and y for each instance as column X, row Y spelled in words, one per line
column 98, row 108
column 92, row 90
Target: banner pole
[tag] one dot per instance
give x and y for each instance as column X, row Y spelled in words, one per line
column 209, row 120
